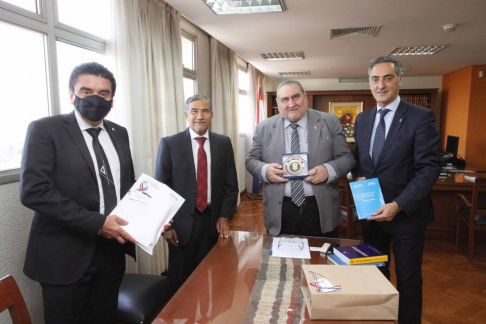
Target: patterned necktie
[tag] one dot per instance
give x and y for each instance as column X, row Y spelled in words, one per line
column 109, row 193
column 202, row 176
column 296, row 186
column 379, row 137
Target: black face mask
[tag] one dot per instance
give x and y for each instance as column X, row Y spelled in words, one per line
column 93, row 108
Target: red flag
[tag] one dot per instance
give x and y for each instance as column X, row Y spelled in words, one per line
column 259, row 103
column 259, row 117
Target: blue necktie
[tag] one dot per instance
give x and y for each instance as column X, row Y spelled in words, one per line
column 296, row 186
column 379, row 137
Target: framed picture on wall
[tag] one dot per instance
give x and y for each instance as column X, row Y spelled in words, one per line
column 346, row 112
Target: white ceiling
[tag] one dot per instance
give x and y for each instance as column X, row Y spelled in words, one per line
column 305, row 24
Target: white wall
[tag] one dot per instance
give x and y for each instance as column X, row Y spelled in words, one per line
column 15, row 222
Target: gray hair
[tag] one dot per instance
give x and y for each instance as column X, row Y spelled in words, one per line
column 198, row 97
column 386, row 59
column 289, row 82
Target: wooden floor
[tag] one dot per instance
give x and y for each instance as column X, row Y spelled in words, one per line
column 454, row 290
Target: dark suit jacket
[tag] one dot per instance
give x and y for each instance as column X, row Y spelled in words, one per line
column 58, row 181
column 175, row 167
column 408, row 166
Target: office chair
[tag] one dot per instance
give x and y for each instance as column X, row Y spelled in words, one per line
column 11, row 299
column 142, row 297
column 470, row 215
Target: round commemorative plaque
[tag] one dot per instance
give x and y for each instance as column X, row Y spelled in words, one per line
column 295, row 166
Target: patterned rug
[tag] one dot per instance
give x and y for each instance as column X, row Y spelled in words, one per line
column 276, row 296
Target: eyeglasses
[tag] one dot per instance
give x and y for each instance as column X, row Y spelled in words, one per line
column 290, row 243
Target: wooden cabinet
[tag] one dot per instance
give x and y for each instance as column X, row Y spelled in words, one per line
column 320, row 99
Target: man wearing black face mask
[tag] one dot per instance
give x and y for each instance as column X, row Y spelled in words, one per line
column 75, row 168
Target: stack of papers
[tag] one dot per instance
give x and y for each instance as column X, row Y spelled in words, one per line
column 147, row 207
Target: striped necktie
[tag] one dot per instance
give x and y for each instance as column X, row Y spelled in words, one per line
column 296, row 186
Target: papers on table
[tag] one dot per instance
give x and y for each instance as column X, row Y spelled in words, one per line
column 147, row 207
column 290, row 247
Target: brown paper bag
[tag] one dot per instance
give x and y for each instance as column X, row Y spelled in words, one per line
column 365, row 295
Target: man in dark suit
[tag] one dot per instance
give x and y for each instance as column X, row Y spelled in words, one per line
column 199, row 165
column 398, row 143
column 318, row 210
column 76, row 249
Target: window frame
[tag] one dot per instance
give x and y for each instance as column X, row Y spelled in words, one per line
column 46, row 22
column 243, row 92
column 188, row 73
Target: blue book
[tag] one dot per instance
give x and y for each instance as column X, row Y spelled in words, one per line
column 367, row 197
column 337, row 261
column 360, row 254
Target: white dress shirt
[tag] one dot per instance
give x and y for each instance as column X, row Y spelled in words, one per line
column 393, row 106
column 111, row 155
column 195, row 148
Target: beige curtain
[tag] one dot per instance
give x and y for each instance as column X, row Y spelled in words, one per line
column 149, row 100
column 224, row 89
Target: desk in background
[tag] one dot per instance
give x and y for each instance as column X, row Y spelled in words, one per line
column 218, row 291
column 443, row 198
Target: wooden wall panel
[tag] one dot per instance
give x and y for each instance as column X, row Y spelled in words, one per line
column 456, row 89
column 476, row 126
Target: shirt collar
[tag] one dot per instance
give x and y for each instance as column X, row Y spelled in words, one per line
column 83, row 125
column 302, row 122
column 393, row 106
column 195, row 135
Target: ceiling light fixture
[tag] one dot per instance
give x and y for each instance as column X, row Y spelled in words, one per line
column 282, row 56
column 228, row 7
column 417, row 50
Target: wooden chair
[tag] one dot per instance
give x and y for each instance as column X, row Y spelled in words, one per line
column 470, row 215
column 11, row 299
column 349, row 218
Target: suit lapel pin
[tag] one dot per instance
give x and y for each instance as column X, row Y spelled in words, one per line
column 113, row 129
column 400, row 120
column 315, row 127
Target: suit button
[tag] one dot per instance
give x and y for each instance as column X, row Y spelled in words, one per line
column 279, row 202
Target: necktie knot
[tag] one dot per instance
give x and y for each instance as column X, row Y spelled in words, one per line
column 383, row 113
column 94, row 132
column 294, row 126
column 201, row 140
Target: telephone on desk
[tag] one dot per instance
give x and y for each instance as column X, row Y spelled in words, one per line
column 447, row 158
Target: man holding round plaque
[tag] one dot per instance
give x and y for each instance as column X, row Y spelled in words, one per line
column 299, row 155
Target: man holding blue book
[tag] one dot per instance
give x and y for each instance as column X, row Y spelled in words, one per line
column 398, row 143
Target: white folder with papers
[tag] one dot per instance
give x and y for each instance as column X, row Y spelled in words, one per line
column 147, row 207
